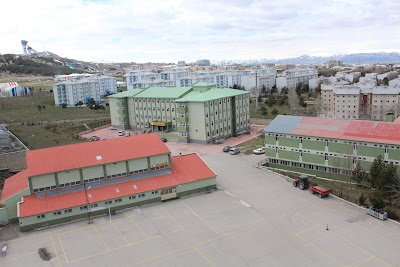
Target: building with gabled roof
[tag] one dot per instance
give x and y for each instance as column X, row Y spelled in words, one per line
column 12, row 89
column 71, row 182
column 329, row 147
column 200, row 113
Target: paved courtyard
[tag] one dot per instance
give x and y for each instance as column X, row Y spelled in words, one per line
column 256, row 218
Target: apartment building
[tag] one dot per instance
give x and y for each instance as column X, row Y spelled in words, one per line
column 73, row 182
column 329, row 147
column 360, row 101
column 200, row 113
column 77, row 88
column 290, row 78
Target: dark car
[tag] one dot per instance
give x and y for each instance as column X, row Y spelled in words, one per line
column 227, row 149
column 164, row 139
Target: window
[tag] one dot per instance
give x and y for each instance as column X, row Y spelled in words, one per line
column 94, row 205
column 57, row 213
column 142, row 195
column 83, row 208
column 41, row 216
column 118, row 200
column 68, row 211
column 108, row 202
column 132, row 197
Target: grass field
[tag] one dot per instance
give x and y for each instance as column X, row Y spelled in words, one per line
column 52, row 125
column 282, row 110
column 25, row 109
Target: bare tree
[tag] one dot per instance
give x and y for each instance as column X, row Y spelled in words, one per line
column 293, row 101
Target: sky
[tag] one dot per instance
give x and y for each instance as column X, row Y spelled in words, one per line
column 172, row 30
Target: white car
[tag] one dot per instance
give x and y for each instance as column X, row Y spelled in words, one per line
column 259, row 151
column 121, row 133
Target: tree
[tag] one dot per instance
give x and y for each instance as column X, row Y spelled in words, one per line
column 79, row 104
column 358, row 174
column 376, row 170
column 305, row 88
column 298, row 88
column 388, row 178
column 283, row 100
column 263, row 90
column 275, row 112
column 270, row 101
column 284, row 91
column 293, row 101
column 64, row 105
column 264, row 111
column 92, row 102
column 39, row 107
column 43, row 107
column 274, row 90
column 362, row 199
column 376, row 200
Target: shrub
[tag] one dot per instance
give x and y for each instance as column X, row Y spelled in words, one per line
column 392, row 214
column 377, row 201
column 362, row 199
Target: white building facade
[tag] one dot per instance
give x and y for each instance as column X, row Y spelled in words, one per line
column 70, row 92
column 290, row 78
column 13, row 89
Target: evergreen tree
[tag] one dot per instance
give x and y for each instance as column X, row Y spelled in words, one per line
column 376, row 170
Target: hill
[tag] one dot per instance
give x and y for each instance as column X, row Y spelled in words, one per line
column 33, row 65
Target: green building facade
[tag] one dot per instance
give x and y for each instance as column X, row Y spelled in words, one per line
column 308, row 146
column 200, row 114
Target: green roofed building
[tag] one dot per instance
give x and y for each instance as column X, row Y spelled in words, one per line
column 329, row 147
column 200, row 113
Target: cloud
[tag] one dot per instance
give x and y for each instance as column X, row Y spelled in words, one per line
column 171, row 30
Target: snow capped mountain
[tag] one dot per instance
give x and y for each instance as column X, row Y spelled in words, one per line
column 356, row 58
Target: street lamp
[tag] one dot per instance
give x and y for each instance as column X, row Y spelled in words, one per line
column 256, row 91
column 89, row 212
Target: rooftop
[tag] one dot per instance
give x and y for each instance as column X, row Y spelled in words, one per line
column 87, row 154
column 185, row 169
column 357, row 130
column 164, row 92
column 15, row 184
column 129, row 93
column 210, row 94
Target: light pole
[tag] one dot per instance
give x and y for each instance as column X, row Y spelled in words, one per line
column 256, row 94
column 89, row 212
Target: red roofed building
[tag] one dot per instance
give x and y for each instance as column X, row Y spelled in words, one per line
column 116, row 173
column 329, row 147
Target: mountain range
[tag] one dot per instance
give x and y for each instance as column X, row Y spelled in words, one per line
column 356, row 58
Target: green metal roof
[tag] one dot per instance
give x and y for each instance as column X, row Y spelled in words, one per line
column 129, row 93
column 164, row 92
column 210, row 94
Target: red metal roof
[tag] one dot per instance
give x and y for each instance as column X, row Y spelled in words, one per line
column 357, row 130
column 15, row 184
column 76, row 156
column 185, row 169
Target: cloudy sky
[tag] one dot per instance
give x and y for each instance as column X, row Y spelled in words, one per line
column 172, row 30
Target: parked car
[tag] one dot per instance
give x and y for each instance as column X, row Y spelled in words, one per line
column 95, row 138
column 234, row 151
column 259, row 151
column 227, row 149
column 121, row 133
column 164, row 139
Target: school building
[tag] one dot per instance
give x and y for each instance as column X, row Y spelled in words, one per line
column 329, row 147
column 70, row 182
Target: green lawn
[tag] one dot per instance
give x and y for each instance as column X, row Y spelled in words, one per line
column 282, row 110
column 48, row 135
column 25, row 109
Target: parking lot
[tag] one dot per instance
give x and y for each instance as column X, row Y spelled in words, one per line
column 176, row 147
column 256, row 218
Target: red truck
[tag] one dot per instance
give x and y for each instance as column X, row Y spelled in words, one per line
column 303, row 183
